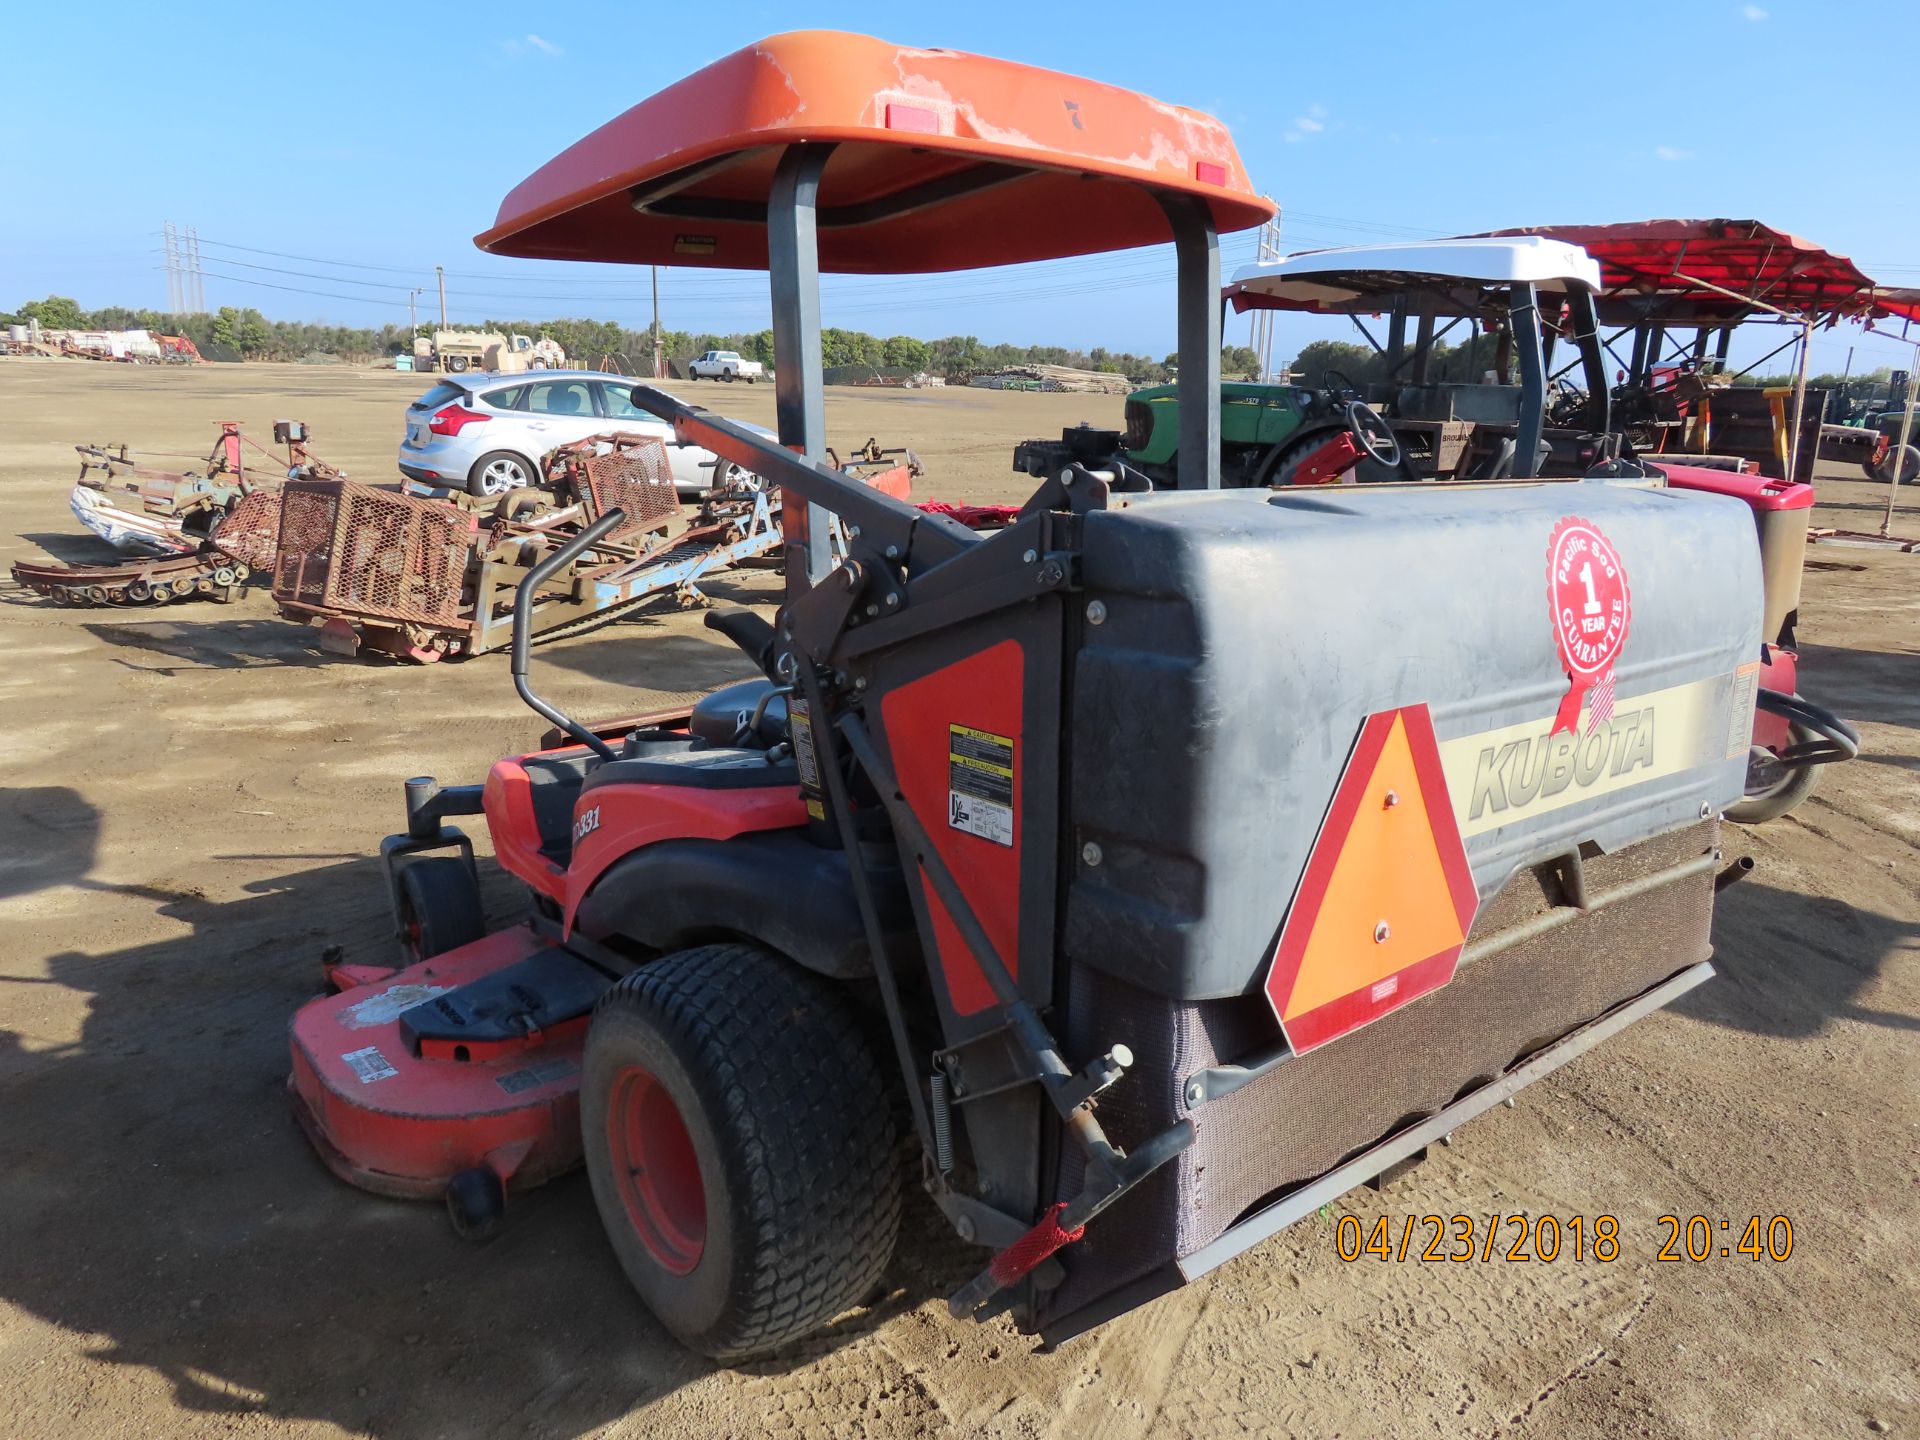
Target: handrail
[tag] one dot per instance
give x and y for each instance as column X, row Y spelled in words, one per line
column 897, row 529
column 523, row 627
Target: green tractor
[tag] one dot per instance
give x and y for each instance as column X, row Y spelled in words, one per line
column 1427, row 428
column 1890, row 419
column 1269, row 435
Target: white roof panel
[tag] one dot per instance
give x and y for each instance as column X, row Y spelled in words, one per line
column 1358, row 276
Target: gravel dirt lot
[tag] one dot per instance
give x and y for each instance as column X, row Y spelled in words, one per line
column 192, row 797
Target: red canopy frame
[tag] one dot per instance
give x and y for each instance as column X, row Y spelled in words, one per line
column 1712, row 272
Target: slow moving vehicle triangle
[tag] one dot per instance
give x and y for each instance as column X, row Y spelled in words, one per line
column 1387, row 897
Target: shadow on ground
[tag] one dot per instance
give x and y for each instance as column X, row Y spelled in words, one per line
column 1837, row 950
column 54, row 835
column 157, row 1198
column 198, row 639
column 69, row 548
column 1880, row 686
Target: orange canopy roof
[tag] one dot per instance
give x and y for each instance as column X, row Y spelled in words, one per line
column 943, row 161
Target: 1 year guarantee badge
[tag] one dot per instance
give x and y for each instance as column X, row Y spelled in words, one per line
column 1592, row 608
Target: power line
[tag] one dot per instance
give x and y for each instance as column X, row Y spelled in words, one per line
column 1143, row 271
column 684, row 275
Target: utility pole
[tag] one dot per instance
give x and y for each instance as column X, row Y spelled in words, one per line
column 412, row 323
column 441, row 271
column 656, row 324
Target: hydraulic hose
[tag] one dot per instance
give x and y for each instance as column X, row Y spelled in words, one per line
column 1838, row 740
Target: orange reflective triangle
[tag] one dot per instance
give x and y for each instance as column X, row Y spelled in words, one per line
column 1387, row 896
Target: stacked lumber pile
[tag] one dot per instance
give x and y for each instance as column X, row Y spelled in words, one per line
column 1056, row 378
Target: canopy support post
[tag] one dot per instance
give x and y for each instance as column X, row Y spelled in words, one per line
column 1197, row 245
column 1593, row 364
column 1800, row 405
column 1523, row 336
column 793, row 265
column 1423, row 345
column 1900, row 453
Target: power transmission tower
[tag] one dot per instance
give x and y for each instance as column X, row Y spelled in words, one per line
column 1261, row 338
column 196, row 282
column 176, row 301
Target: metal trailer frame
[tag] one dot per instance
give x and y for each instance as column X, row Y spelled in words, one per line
column 583, row 600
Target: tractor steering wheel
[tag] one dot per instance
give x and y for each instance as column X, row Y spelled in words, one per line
column 1326, row 378
column 1373, row 434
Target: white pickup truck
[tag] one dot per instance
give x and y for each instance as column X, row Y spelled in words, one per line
column 725, row 365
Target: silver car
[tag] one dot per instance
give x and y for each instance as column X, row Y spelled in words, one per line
column 488, row 433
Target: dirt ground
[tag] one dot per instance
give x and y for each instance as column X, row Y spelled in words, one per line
column 192, row 799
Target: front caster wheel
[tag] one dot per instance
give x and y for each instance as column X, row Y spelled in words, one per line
column 476, row 1204
column 439, row 907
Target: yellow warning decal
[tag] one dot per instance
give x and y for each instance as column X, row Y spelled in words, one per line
column 980, row 783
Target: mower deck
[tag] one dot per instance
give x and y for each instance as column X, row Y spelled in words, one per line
column 395, row 1104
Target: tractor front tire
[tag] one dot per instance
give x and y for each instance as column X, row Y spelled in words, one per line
column 740, row 1145
column 1276, row 470
column 439, row 907
column 1905, row 460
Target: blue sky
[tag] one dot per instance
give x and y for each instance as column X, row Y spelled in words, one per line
column 338, row 135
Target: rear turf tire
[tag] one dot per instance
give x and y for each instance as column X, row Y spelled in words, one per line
column 439, row 907
column 740, row 1145
column 1771, row 795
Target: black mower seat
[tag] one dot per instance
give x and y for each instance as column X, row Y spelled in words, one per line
column 704, row 756
column 720, row 716
column 715, row 767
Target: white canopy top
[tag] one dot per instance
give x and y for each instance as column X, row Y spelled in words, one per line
column 1361, row 277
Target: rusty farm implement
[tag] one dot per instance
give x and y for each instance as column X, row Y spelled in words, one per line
column 427, row 578
column 193, row 533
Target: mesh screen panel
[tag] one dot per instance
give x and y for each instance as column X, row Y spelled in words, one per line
column 635, row 477
column 1318, row 1109
column 250, row 531
column 303, row 552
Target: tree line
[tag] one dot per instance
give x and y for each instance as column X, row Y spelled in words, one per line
column 244, row 333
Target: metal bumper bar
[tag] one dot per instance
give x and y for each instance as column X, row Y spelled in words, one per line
column 1375, row 1160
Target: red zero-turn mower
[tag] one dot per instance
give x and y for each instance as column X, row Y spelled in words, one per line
column 1160, row 923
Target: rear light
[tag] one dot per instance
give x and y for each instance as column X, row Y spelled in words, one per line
column 1208, row 172
column 455, row 418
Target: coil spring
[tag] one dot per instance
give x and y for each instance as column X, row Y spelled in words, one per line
column 942, row 1125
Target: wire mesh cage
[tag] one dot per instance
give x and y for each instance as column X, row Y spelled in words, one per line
column 635, row 476
column 362, row 551
column 250, row 531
